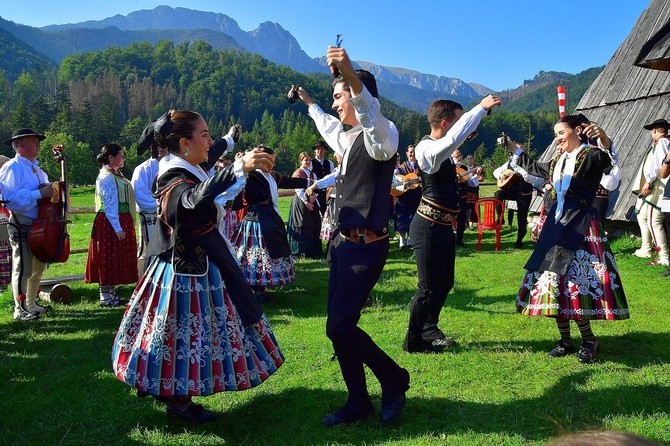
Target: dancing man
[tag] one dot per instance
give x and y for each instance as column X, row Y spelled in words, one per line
column 432, row 230
column 358, row 252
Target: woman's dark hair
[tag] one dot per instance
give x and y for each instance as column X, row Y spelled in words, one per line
column 574, row 121
column 111, row 149
column 173, row 126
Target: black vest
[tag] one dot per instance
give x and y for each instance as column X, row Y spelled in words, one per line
column 320, row 170
column 441, row 187
column 362, row 200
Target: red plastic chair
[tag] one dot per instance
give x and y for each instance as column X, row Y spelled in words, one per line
column 490, row 215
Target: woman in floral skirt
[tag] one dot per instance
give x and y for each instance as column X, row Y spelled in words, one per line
column 572, row 274
column 193, row 326
column 260, row 239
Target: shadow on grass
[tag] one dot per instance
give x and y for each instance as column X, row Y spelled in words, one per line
column 293, row 415
column 65, row 385
column 634, row 349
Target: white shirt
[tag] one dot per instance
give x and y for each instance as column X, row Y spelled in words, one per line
column 431, row 153
column 565, row 168
column 21, row 179
column 143, row 177
column 379, row 134
column 328, row 180
column 660, row 150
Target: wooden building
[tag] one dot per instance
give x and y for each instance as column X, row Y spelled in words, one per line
column 626, row 96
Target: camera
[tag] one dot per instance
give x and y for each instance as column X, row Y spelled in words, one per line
column 293, row 94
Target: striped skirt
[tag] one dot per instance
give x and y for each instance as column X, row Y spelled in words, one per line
column 258, row 267
column 591, row 288
column 181, row 335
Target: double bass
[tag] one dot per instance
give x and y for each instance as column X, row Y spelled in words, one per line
column 48, row 238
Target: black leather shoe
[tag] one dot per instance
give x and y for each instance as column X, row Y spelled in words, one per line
column 394, row 399
column 665, row 273
column 195, row 413
column 518, row 245
column 562, row 348
column 428, row 346
column 587, row 351
column 347, row 415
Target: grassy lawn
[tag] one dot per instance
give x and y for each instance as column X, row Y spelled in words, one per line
column 497, row 387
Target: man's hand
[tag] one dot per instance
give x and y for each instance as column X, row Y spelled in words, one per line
column 310, row 190
column 490, row 102
column 646, row 190
column 257, row 159
column 121, row 235
column 46, row 190
column 338, row 58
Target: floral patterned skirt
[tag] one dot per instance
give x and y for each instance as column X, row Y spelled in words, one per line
column 181, row 335
column 591, row 288
column 258, row 267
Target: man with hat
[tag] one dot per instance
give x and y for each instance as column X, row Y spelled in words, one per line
column 142, row 179
column 648, row 186
column 321, row 167
column 23, row 183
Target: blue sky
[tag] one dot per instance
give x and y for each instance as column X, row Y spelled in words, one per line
column 492, row 42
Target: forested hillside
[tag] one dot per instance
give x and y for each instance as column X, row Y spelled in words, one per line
column 110, row 95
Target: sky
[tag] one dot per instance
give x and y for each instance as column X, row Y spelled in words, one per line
column 496, row 43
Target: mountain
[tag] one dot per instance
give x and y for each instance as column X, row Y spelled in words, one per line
column 17, row 56
column 540, row 80
column 416, row 90
column 408, row 88
column 480, row 89
column 540, row 94
column 269, row 40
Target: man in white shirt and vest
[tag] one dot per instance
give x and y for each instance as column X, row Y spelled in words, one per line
column 23, row 183
column 649, row 186
column 142, row 179
column 321, row 166
column 358, row 252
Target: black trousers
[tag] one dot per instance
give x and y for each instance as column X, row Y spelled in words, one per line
column 522, row 204
column 435, row 251
column 354, row 270
column 461, row 220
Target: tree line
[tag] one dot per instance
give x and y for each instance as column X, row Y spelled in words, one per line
column 94, row 98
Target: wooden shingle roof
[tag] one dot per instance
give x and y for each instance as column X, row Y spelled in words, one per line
column 625, row 97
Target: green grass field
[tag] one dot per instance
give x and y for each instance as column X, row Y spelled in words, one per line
column 497, row 387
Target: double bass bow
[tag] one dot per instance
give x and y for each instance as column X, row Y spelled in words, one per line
column 48, row 238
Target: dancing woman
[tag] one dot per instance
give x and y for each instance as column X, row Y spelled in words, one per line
column 193, row 326
column 571, row 274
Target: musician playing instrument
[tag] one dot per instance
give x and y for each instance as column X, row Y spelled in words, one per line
column 23, row 184
column 514, row 186
column 409, row 199
column 466, row 179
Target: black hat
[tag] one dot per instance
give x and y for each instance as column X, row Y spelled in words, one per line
column 319, row 144
column 22, row 133
column 146, row 139
column 662, row 123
